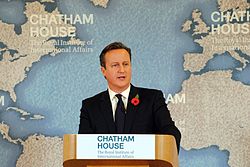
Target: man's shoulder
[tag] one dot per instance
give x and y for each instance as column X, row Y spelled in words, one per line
column 148, row 90
column 149, row 95
column 95, row 98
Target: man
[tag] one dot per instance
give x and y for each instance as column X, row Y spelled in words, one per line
column 124, row 108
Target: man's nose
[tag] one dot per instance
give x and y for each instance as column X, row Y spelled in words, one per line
column 121, row 69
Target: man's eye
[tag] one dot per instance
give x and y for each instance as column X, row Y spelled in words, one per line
column 114, row 65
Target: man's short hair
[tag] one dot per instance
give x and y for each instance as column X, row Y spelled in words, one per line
column 113, row 46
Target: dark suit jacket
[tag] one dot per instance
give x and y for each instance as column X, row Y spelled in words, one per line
column 150, row 116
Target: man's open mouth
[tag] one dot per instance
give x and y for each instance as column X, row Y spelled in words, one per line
column 121, row 77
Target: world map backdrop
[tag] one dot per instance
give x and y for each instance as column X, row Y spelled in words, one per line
column 196, row 52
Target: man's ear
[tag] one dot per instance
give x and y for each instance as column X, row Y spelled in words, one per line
column 103, row 70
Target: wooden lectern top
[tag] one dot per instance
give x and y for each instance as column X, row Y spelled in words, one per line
column 165, row 155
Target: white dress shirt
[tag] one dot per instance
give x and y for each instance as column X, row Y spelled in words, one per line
column 114, row 99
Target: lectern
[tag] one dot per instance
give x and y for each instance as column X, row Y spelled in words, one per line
column 115, row 150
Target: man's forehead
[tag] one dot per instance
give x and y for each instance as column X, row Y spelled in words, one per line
column 117, row 56
column 124, row 61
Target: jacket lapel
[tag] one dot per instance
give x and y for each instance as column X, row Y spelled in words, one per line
column 131, row 110
column 106, row 110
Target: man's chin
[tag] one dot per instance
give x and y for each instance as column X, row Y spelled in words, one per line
column 122, row 87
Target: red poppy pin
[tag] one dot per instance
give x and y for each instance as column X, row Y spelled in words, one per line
column 135, row 101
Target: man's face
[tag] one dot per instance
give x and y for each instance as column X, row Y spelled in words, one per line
column 118, row 69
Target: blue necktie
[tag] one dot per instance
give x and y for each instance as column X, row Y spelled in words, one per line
column 119, row 114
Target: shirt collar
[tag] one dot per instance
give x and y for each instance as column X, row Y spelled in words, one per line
column 125, row 93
